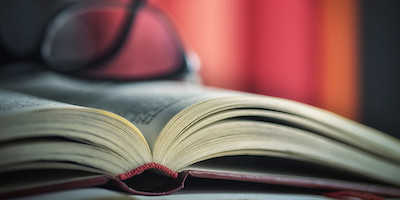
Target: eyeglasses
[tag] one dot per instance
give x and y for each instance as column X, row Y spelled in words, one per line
column 112, row 39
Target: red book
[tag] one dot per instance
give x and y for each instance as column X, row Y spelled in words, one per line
column 285, row 49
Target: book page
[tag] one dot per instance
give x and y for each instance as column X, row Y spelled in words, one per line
column 12, row 102
column 32, row 129
column 148, row 105
column 151, row 105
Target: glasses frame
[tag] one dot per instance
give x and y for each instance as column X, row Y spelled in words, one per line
column 42, row 56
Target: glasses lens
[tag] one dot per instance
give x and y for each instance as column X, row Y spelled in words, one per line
column 78, row 37
column 150, row 49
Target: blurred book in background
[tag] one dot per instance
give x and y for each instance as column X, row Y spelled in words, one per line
column 338, row 55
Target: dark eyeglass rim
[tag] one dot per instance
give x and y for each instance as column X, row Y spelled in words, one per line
column 84, row 71
column 133, row 6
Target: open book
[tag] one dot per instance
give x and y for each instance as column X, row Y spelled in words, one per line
column 60, row 133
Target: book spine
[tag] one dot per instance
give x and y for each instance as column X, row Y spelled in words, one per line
column 147, row 166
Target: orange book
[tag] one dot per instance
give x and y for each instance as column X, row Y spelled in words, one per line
column 339, row 63
column 217, row 31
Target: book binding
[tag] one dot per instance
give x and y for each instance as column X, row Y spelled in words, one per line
column 147, row 166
